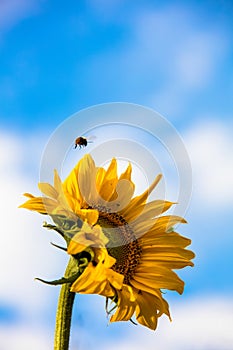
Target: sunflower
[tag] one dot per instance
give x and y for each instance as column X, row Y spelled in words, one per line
column 132, row 249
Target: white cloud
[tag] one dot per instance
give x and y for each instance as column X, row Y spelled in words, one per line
column 180, row 51
column 26, row 252
column 169, row 52
column 198, row 324
column 196, row 61
column 210, row 145
column 187, row 51
column 11, row 151
column 22, row 338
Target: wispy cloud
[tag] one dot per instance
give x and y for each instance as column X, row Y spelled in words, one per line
column 183, row 51
column 210, row 145
column 186, row 49
column 22, row 234
column 203, row 323
column 25, row 337
column 167, row 54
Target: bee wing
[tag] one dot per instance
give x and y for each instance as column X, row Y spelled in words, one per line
column 91, row 138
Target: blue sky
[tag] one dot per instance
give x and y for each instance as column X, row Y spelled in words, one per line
column 57, row 58
column 54, row 56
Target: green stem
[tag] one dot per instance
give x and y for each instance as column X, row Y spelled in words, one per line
column 64, row 313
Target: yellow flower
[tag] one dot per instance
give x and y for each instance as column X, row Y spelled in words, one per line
column 134, row 248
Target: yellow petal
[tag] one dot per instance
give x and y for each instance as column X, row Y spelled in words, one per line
column 159, row 278
column 166, row 252
column 90, row 215
column 29, row 195
column 101, row 255
column 168, row 239
column 73, row 203
column 99, row 178
column 93, row 281
column 136, row 201
column 127, row 174
column 70, row 185
column 57, row 182
column 86, row 180
column 40, row 204
column 172, row 257
column 149, row 308
column 111, row 172
column 124, row 190
column 48, row 190
column 96, row 279
column 121, row 196
column 74, row 247
column 90, row 237
column 125, row 305
column 160, row 224
column 115, row 279
column 109, row 181
column 146, row 310
column 61, row 198
column 107, row 189
column 148, row 211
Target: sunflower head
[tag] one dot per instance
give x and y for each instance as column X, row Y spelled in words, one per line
column 126, row 249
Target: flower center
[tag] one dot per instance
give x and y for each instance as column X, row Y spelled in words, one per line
column 122, row 245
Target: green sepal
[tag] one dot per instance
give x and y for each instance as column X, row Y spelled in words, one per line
column 133, row 322
column 53, row 227
column 113, row 299
column 58, row 229
column 65, row 223
column 87, row 253
column 67, row 228
column 58, row 246
column 82, row 263
column 60, row 281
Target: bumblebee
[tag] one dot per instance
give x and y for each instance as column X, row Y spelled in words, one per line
column 81, row 142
